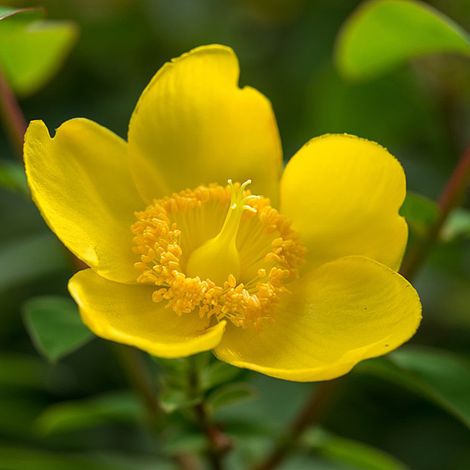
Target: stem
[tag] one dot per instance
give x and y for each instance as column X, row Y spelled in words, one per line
column 132, row 363
column 12, row 116
column 219, row 443
column 137, row 373
column 186, row 462
column 451, row 196
column 311, row 414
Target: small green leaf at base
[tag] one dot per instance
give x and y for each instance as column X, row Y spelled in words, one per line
column 230, row 394
column 55, row 326
column 218, row 373
column 171, row 400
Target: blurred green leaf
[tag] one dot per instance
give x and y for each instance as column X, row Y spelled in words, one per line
column 218, row 373
column 382, row 34
column 173, row 373
column 24, row 14
column 437, row 375
column 55, row 326
column 75, row 415
column 22, row 458
column 22, row 371
column 230, row 394
column 457, row 225
column 420, row 212
column 173, row 399
column 353, row 453
column 23, row 410
column 31, row 258
column 32, row 49
column 12, row 177
column 185, row 442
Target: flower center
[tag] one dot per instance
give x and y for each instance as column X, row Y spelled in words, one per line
column 218, row 258
column 217, row 251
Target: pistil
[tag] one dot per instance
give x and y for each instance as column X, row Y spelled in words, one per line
column 219, row 257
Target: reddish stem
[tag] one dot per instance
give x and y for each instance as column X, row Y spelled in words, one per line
column 310, row 415
column 218, row 443
column 12, row 116
column 451, row 196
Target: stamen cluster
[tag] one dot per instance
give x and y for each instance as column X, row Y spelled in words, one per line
column 247, row 301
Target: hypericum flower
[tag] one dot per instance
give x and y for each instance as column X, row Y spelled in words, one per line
column 196, row 242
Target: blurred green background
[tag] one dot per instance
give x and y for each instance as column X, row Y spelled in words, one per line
column 419, row 111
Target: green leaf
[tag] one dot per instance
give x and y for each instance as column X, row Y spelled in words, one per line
column 176, row 370
column 353, row 453
column 439, row 376
column 32, row 49
column 55, row 326
column 25, row 373
column 420, row 212
column 20, row 458
column 23, row 458
column 75, row 415
column 218, row 373
column 21, row 371
column 185, row 443
column 31, row 258
column 24, row 14
column 24, row 410
column 457, row 225
column 382, row 34
column 172, row 399
column 12, row 177
column 230, row 394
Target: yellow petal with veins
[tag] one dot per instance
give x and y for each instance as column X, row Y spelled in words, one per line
column 343, row 194
column 345, row 311
column 193, row 125
column 81, row 183
column 126, row 314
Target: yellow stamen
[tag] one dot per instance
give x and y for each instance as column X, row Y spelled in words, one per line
column 218, row 252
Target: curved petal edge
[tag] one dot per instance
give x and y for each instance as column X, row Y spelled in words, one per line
column 346, row 311
column 126, row 314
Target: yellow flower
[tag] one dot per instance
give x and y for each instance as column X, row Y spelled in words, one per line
column 293, row 276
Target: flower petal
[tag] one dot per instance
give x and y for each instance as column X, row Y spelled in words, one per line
column 343, row 194
column 80, row 181
column 193, row 125
column 126, row 314
column 345, row 311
